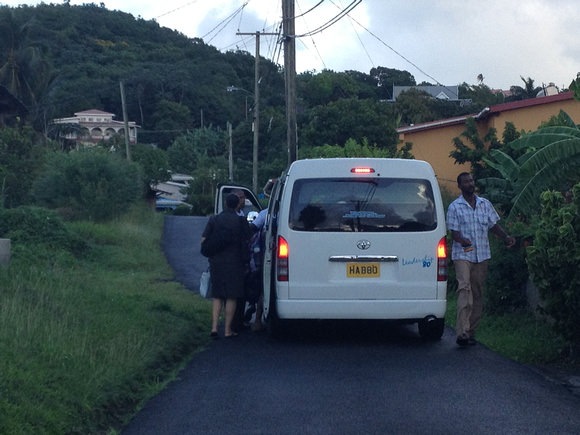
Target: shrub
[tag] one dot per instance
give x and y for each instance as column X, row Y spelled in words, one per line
column 36, row 225
column 202, row 205
column 506, row 278
column 91, row 184
column 554, row 260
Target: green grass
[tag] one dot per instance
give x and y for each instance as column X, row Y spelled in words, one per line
column 521, row 336
column 85, row 341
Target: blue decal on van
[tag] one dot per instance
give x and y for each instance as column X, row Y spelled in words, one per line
column 354, row 214
column 425, row 261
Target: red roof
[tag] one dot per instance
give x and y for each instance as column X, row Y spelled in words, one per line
column 531, row 102
column 498, row 108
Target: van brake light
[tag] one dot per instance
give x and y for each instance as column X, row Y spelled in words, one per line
column 362, row 170
column 282, row 259
column 442, row 260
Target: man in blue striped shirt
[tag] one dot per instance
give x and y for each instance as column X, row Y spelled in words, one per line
column 470, row 218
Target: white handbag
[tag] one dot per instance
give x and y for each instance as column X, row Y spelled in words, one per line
column 205, row 285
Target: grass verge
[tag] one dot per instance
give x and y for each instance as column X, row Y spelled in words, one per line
column 86, row 338
column 521, row 336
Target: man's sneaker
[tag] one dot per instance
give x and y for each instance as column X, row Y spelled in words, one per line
column 471, row 341
column 462, row 341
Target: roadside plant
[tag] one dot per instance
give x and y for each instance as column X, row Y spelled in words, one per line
column 91, row 184
column 551, row 159
column 554, row 261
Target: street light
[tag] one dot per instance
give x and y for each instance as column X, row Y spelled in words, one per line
column 255, row 128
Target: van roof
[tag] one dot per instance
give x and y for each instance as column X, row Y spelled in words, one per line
column 341, row 167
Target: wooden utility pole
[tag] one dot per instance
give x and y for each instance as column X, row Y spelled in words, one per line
column 125, row 121
column 256, row 114
column 290, row 77
column 230, row 153
column 256, row 123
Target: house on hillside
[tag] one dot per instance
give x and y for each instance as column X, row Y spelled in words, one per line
column 93, row 126
column 433, row 141
column 448, row 93
column 11, row 108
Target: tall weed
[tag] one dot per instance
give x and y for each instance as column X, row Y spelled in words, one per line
column 85, row 340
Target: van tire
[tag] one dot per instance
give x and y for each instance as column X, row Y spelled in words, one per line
column 431, row 328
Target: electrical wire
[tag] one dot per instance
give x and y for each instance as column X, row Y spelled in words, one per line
column 396, row 52
column 332, row 21
column 311, row 38
column 176, row 9
column 224, row 22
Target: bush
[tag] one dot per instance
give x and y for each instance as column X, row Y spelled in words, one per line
column 36, row 225
column 91, row 184
column 554, row 260
column 506, row 278
column 203, row 205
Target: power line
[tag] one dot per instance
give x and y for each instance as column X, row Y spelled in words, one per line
column 176, row 9
column 311, row 38
column 333, row 20
column 225, row 22
column 396, row 52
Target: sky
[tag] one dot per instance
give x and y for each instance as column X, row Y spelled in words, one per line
column 438, row 41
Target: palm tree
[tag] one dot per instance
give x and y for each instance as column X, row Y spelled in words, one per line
column 23, row 67
column 525, row 92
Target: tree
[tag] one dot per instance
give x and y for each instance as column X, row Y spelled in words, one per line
column 187, row 153
column 554, row 261
column 352, row 148
column 413, row 107
column 474, row 154
column 525, row 92
column 386, row 78
column 549, row 159
column 170, row 120
column 344, row 119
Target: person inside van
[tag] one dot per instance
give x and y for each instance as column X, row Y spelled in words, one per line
column 469, row 218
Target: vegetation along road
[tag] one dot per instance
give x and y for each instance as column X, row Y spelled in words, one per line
column 329, row 377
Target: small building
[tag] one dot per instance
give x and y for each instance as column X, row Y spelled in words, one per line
column 93, row 126
column 440, row 92
column 433, row 141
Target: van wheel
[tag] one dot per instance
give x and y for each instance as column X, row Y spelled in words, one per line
column 431, row 328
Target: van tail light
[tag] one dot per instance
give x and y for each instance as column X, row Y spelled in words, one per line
column 442, row 260
column 282, row 259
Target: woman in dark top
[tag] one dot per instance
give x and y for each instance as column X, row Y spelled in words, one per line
column 228, row 267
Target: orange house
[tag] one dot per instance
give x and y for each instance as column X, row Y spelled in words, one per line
column 433, row 141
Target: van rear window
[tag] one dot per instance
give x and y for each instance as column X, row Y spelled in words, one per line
column 362, row 205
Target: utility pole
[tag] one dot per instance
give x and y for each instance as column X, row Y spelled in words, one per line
column 125, row 121
column 256, row 123
column 290, row 77
column 230, row 153
column 256, row 115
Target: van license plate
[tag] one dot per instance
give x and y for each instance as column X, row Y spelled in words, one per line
column 363, row 270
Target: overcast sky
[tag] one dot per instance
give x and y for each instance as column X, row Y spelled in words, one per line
column 445, row 41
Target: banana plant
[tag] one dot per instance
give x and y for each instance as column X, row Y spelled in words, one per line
column 551, row 159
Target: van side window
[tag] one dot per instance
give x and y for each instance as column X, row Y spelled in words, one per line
column 362, row 205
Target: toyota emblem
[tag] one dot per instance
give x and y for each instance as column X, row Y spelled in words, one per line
column 363, row 244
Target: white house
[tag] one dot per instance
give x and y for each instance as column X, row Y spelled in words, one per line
column 95, row 126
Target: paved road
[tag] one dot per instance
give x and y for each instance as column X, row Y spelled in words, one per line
column 348, row 378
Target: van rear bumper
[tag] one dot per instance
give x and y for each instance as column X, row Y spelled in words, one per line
column 360, row 309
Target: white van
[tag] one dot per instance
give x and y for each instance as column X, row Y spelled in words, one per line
column 356, row 238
